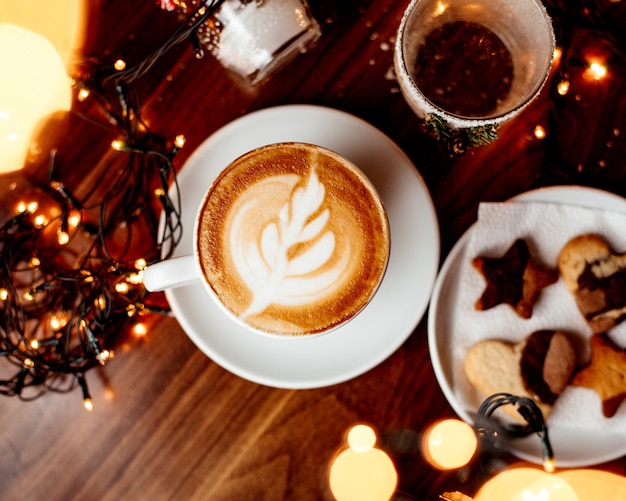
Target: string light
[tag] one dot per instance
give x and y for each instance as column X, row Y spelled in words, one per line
column 540, row 132
column 62, row 237
column 563, row 87
column 118, row 145
column 596, row 70
column 83, row 94
column 140, row 329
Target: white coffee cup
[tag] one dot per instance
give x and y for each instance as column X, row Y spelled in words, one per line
column 291, row 239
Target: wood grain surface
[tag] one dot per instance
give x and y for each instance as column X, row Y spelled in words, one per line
column 169, row 423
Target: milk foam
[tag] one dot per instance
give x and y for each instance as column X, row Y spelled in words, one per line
column 292, row 239
column 263, row 254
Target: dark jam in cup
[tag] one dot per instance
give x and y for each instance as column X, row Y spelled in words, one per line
column 464, row 68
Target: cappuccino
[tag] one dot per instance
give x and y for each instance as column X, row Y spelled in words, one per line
column 292, row 239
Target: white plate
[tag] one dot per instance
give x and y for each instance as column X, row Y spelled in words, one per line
column 402, row 297
column 571, row 447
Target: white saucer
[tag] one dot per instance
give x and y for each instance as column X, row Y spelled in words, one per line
column 572, row 448
column 403, row 296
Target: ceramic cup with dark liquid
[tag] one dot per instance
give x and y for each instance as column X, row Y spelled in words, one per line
column 473, row 63
column 291, row 239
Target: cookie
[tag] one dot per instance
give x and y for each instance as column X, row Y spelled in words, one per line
column 538, row 367
column 513, row 279
column 596, row 276
column 605, row 373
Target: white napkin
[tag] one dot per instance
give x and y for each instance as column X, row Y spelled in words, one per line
column 546, row 228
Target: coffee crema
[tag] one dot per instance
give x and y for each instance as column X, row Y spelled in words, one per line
column 293, row 239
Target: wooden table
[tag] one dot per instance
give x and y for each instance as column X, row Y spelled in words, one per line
column 168, row 422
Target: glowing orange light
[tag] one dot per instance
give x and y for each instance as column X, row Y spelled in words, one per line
column 596, row 70
column 533, row 484
column 362, row 472
column 62, row 237
column 449, row 444
column 41, row 220
column 38, row 40
column 540, row 132
column 140, row 329
column 563, row 87
column 88, row 403
column 83, row 94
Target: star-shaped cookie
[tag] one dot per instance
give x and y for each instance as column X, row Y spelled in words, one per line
column 513, row 279
column 605, row 374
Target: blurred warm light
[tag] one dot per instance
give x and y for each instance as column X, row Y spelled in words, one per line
column 539, row 132
column 61, row 22
column 362, row 472
column 533, row 484
column 449, row 444
column 596, row 70
column 88, row 403
column 563, row 87
column 83, row 94
column 526, row 484
column 591, row 485
column 36, row 42
column 74, row 220
column 62, row 237
column 140, row 329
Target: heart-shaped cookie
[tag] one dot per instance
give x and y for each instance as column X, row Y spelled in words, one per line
column 538, row 367
column 596, row 276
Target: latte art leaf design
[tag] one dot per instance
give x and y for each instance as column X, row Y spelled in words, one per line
column 272, row 273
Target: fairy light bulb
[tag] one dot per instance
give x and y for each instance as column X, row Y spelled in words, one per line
column 104, row 356
column 83, row 94
column 117, row 145
column 180, row 140
column 74, row 220
column 563, row 87
column 540, row 132
column 41, row 220
column 62, row 237
column 135, row 278
column 140, row 329
column 88, row 404
column 122, row 287
column 120, row 65
column 597, row 70
column 449, row 444
column 4, row 294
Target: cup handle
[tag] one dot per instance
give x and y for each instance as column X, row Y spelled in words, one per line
column 171, row 273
